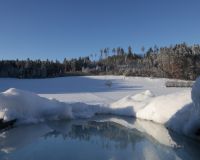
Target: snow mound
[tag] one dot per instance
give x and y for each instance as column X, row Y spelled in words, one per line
column 136, row 102
column 29, row 107
column 179, row 111
column 187, row 119
column 162, row 108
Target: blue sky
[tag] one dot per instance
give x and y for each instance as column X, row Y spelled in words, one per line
column 55, row 29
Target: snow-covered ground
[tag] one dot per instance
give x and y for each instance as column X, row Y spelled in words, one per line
column 88, row 89
column 83, row 97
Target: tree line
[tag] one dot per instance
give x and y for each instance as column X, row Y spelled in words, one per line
column 179, row 61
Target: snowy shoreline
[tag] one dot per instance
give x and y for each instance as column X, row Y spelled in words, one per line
column 177, row 110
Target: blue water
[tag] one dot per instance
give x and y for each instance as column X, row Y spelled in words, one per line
column 92, row 139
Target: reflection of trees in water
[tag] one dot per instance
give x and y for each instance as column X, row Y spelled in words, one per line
column 108, row 132
column 108, row 135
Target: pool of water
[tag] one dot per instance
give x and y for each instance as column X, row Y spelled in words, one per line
column 99, row 138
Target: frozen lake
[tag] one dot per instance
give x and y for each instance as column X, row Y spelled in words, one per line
column 42, row 107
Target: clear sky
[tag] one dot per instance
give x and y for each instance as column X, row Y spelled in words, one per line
column 55, row 29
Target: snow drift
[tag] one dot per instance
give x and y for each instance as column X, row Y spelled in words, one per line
column 136, row 102
column 29, row 107
column 179, row 111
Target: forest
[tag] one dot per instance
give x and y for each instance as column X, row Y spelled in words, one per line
column 180, row 61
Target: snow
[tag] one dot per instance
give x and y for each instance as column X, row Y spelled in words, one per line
column 187, row 119
column 136, row 102
column 29, row 107
column 88, row 89
column 83, row 97
column 160, row 109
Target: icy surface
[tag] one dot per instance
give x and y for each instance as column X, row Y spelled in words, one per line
column 100, row 137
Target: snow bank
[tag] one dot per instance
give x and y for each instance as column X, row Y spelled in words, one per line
column 158, row 109
column 29, row 107
column 187, row 119
column 162, row 108
column 179, row 111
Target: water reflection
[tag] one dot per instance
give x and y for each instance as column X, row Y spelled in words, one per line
column 102, row 137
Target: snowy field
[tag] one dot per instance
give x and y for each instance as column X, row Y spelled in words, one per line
column 33, row 100
column 88, row 89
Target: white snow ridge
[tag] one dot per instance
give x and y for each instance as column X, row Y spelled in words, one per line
column 29, row 107
column 179, row 111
